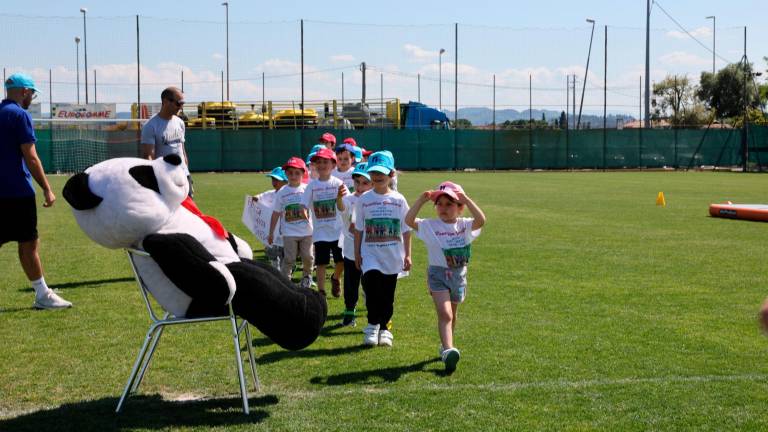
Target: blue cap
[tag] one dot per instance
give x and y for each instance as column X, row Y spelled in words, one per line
column 20, row 80
column 278, row 173
column 361, row 170
column 355, row 151
column 314, row 151
column 381, row 161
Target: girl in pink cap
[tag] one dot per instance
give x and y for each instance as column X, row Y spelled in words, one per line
column 448, row 239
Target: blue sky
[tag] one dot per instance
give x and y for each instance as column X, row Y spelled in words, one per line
column 398, row 39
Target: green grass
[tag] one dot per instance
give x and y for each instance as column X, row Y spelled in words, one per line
column 588, row 308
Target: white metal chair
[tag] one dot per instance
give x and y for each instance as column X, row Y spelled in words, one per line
column 156, row 330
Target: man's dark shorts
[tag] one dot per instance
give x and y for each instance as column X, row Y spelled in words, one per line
column 19, row 219
column 324, row 250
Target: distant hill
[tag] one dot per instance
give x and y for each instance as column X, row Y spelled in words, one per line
column 484, row 116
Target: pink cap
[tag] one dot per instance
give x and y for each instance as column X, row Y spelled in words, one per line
column 324, row 153
column 328, row 137
column 350, row 141
column 447, row 188
column 367, row 153
column 295, row 162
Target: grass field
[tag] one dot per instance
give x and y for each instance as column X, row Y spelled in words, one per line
column 588, row 308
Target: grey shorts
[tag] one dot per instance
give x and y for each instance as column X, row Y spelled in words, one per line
column 453, row 280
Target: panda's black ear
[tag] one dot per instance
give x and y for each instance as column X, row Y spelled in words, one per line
column 78, row 194
column 145, row 176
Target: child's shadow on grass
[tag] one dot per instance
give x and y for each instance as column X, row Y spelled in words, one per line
column 141, row 412
column 376, row 376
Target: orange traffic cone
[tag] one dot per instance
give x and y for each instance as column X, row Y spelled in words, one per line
column 660, row 201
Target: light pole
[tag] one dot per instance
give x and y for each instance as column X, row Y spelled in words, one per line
column 85, row 51
column 714, row 30
column 226, row 7
column 77, row 67
column 586, row 72
column 440, row 77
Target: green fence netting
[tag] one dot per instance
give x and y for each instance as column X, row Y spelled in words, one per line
column 70, row 150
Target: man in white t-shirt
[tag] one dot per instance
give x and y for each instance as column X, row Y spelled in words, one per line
column 164, row 133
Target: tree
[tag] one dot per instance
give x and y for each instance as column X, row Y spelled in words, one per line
column 675, row 99
column 724, row 91
column 462, row 124
column 563, row 120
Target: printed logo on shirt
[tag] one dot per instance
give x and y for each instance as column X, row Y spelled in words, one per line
column 294, row 213
column 325, row 209
column 457, row 257
column 381, row 230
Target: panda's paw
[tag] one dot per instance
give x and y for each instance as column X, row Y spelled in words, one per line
column 221, row 268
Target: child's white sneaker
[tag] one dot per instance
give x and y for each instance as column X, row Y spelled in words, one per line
column 385, row 338
column 451, row 358
column 371, row 335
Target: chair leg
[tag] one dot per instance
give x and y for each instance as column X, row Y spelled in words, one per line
column 135, row 370
column 150, row 353
column 239, row 361
column 249, row 342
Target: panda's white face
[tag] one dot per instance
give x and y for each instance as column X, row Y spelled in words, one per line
column 120, row 201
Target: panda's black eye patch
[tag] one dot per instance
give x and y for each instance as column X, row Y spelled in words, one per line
column 172, row 159
column 145, row 176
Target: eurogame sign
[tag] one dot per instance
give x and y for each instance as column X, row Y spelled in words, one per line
column 88, row 111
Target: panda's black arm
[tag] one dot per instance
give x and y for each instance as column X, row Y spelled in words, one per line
column 187, row 263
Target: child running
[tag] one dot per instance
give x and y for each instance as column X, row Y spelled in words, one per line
column 346, row 204
column 294, row 221
column 382, row 246
column 448, row 239
column 320, row 197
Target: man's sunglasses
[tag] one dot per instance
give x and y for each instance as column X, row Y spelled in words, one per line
column 177, row 102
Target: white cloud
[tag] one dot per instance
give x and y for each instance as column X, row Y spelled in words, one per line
column 418, row 54
column 700, row 32
column 339, row 58
column 682, row 58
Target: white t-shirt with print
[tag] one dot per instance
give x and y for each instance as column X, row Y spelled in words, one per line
column 347, row 238
column 345, row 177
column 381, row 220
column 320, row 198
column 448, row 245
column 289, row 201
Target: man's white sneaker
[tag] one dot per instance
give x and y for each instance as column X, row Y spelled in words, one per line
column 451, row 358
column 385, row 338
column 306, row 282
column 51, row 300
column 371, row 335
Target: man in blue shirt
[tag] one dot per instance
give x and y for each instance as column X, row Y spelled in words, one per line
column 19, row 164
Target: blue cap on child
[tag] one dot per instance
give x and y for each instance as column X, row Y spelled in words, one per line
column 278, row 173
column 361, row 170
column 381, row 161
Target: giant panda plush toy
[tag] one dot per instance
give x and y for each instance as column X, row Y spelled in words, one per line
column 196, row 266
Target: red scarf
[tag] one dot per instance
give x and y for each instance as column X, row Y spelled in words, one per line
column 216, row 226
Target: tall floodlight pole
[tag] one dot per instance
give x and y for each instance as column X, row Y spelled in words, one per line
column 85, row 51
column 302, row 70
column 440, row 78
column 586, row 71
column 714, row 30
column 226, row 8
column 77, row 62
column 648, row 64
column 456, row 75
